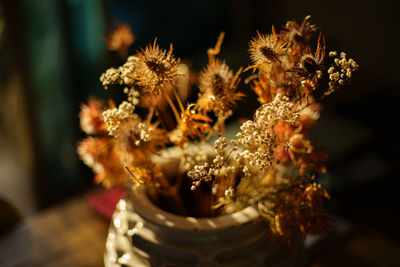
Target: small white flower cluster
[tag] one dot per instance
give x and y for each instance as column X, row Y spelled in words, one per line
column 207, row 172
column 229, row 193
column 219, row 168
column 220, row 147
column 111, row 76
column 192, row 157
column 128, row 70
column 113, row 117
column 144, row 133
column 123, row 75
column 279, row 109
column 132, row 95
column 200, row 173
column 340, row 72
column 257, row 138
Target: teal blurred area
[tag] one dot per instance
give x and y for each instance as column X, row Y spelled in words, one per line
column 66, row 53
column 53, row 53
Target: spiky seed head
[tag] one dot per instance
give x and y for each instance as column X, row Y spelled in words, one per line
column 156, row 69
column 217, row 85
column 265, row 50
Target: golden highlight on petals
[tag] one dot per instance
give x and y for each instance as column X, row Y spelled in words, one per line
column 267, row 50
column 218, row 86
column 156, row 69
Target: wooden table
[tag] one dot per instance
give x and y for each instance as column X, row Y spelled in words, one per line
column 70, row 234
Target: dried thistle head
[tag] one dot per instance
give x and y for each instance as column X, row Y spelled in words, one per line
column 267, row 50
column 218, row 88
column 156, row 69
column 182, row 87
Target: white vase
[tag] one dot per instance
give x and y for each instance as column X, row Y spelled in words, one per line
column 141, row 234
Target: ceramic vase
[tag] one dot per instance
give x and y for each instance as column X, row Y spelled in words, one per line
column 141, row 234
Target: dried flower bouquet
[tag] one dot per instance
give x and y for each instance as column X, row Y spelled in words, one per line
column 270, row 164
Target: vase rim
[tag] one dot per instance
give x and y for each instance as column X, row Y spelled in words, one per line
column 147, row 209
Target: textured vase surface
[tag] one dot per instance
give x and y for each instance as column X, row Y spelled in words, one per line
column 141, row 234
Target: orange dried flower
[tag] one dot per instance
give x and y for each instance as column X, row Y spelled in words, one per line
column 263, row 88
column 91, row 119
column 120, row 39
column 298, row 209
column 191, row 125
column 101, row 156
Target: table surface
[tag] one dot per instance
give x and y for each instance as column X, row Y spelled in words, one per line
column 72, row 234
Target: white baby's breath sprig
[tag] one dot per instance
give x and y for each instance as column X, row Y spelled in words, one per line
column 113, row 117
column 340, row 71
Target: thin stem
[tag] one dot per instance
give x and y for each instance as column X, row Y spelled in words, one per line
column 222, row 128
column 150, row 115
column 178, row 182
column 178, row 99
column 135, row 178
column 171, row 104
column 211, row 52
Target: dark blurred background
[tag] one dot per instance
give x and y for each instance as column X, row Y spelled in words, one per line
column 52, row 54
